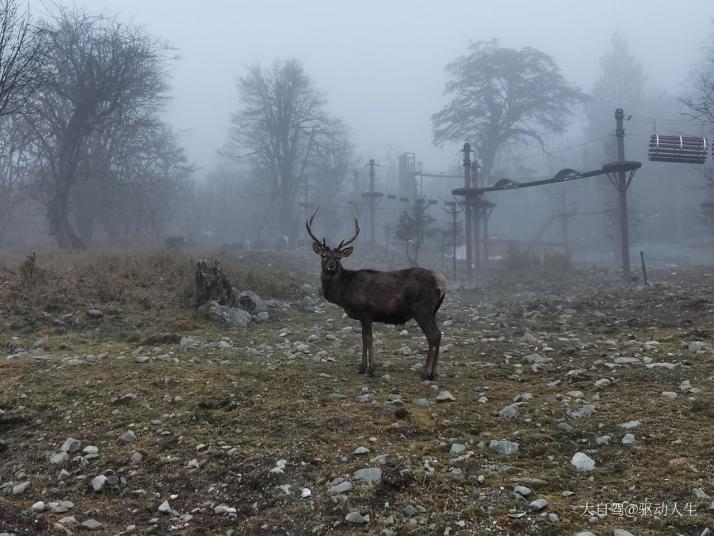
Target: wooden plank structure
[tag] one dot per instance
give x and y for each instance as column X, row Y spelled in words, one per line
column 678, row 149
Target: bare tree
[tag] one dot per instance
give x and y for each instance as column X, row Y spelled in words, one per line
column 21, row 55
column 503, row 95
column 281, row 129
column 98, row 72
column 414, row 229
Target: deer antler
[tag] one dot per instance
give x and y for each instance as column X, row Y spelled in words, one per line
column 308, row 226
column 343, row 243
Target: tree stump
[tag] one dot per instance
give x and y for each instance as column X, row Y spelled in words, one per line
column 212, row 284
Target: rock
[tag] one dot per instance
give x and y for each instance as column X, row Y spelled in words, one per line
column 445, row 396
column 629, row 425
column 553, row 518
column 421, row 402
column 370, row 475
column 38, row 507
column 528, row 338
column 90, row 449
column 71, row 445
column 585, row 411
column 508, row 412
column 626, row 360
column 686, row 387
column 165, row 508
column 61, row 458
column 63, row 474
column 503, row 447
column 621, row 532
column 99, row 482
column 697, row 346
column 95, row 314
column 251, row 302
column 231, row 317
column 361, row 450
column 91, row 524
column 357, row 518
column 537, row 359
column 628, row 439
column 457, row 449
column 523, row 491
column 136, row 458
column 19, row 489
column 538, row 505
column 187, row 342
column 582, row 462
column 585, row 533
column 564, row 427
column 128, row 437
column 603, row 440
column 342, row 487
column 68, row 520
column 603, row 382
column 669, row 394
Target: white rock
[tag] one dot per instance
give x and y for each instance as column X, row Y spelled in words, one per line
column 582, row 462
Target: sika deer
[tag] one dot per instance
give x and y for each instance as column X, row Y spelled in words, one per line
column 374, row 296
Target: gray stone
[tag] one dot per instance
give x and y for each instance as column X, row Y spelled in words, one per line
column 523, row 491
column 94, row 313
column 508, row 412
column 669, row 394
column 71, row 445
column 19, row 489
column 92, row 524
column 136, row 458
column 342, row 487
column 38, row 507
column 361, row 450
column 370, row 475
column 444, row 396
column 628, row 439
column 421, row 402
column 582, row 462
column 68, row 520
column 128, row 437
column 621, row 532
column 457, row 449
column 165, row 508
column 356, row 518
column 99, row 482
column 61, row 458
column 503, row 447
column 585, row 411
column 629, row 425
column 553, row 517
column 251, row 302
column 538, row 505
column 231, row 317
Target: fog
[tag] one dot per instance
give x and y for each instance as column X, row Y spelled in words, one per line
column 382, row 63
column 382, row 70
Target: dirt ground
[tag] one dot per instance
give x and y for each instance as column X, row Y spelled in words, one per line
column 260, row 430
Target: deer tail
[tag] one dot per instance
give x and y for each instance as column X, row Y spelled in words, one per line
column 441, row 286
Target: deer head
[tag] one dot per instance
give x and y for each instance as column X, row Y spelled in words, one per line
column 331, row 257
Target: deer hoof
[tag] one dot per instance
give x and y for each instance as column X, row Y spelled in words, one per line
column 361, row 369
column 370, row 372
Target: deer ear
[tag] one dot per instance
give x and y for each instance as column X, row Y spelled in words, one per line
column 346, row 252
column 317, row 248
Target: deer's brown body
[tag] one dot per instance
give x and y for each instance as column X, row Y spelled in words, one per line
column 393, row 297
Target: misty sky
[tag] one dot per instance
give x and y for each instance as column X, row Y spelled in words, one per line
column 382, row 63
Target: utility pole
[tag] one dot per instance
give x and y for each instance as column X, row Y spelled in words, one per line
column 476, row 214
column 467, row 210
column 453, row 211
column 372, row 197
column 622, row 184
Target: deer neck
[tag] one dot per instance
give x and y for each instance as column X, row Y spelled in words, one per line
column 333, row 285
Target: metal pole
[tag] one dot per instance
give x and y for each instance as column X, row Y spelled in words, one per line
column 371, row 201
column 486, row 214
column 467, row 209
column 622, row 194
column 477, row 217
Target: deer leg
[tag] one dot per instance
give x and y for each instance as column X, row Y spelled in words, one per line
column 367, row 327
column 363, row 365
column 433, row 337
